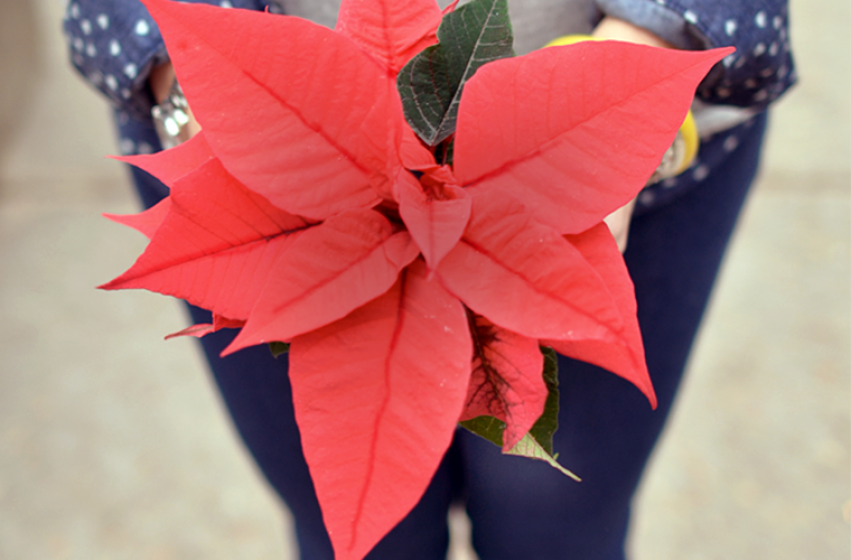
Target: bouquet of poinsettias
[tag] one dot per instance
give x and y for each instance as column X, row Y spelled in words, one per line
column 416, row 216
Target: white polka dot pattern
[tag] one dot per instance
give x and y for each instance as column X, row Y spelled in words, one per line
column 142, row 27
column 700, row 172
column 730, row 27
column 731, row 143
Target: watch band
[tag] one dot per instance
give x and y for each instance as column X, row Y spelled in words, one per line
column 171, row 117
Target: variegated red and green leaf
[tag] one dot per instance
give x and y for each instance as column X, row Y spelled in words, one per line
column 506, row 380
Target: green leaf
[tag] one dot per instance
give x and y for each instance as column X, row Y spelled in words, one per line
column 278, row 348
column 487, row 427
column 431, row 83
column 528, row 447
column 547, row 424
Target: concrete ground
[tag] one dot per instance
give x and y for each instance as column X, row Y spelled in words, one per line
column 113, row 444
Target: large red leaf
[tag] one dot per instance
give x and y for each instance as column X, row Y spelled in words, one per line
column 377, row 397
column 436, row 219
column 506, row 381
column 525, row 277
column 216, row 246
column 295, row 111
column 328, row 272
column 170, row 165
column 390, row 31
column 624, row 355
column 575, row 131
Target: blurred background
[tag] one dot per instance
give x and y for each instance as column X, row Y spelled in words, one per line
column 113, row 444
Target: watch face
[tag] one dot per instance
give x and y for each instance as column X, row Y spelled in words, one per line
column 171, row 117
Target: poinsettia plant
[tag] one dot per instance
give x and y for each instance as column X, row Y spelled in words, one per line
column 416, row 215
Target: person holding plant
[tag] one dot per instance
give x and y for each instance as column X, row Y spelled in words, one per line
column 674, row 235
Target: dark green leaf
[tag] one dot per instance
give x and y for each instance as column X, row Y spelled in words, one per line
column 278, row 348
column 547, row 424
column 487, row 427
column 431, row 83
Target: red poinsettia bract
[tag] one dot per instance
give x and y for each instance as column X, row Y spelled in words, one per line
column 411, row 300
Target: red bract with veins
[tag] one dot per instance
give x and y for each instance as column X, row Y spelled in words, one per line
column 413, row 294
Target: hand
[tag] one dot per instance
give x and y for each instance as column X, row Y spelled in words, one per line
column 619, row 30
column 618, row 222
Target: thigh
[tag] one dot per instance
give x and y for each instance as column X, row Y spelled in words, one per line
column 524, row 509
column 256, row 390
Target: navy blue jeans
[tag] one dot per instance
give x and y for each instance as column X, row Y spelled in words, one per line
column 523, row 509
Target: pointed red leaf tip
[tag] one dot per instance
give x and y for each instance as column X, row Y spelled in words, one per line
column 434, row 210
column 506, row 381
column 145, row 222
column 199, row 330
column 328, row 272
column 316, row 131
column 525, row 277
column 377, row 396
column 390, row 31
column 623, row 355
column 203, row 329
column 575, row 131
column 216, row 246
column 170, row 165
column 450, row 7
column 414, row 154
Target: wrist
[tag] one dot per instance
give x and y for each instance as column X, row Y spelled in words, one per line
column 620, row 30
column 160, row 81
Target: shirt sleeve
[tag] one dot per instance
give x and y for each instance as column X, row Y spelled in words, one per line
column 114, row 44
column 758, row 72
